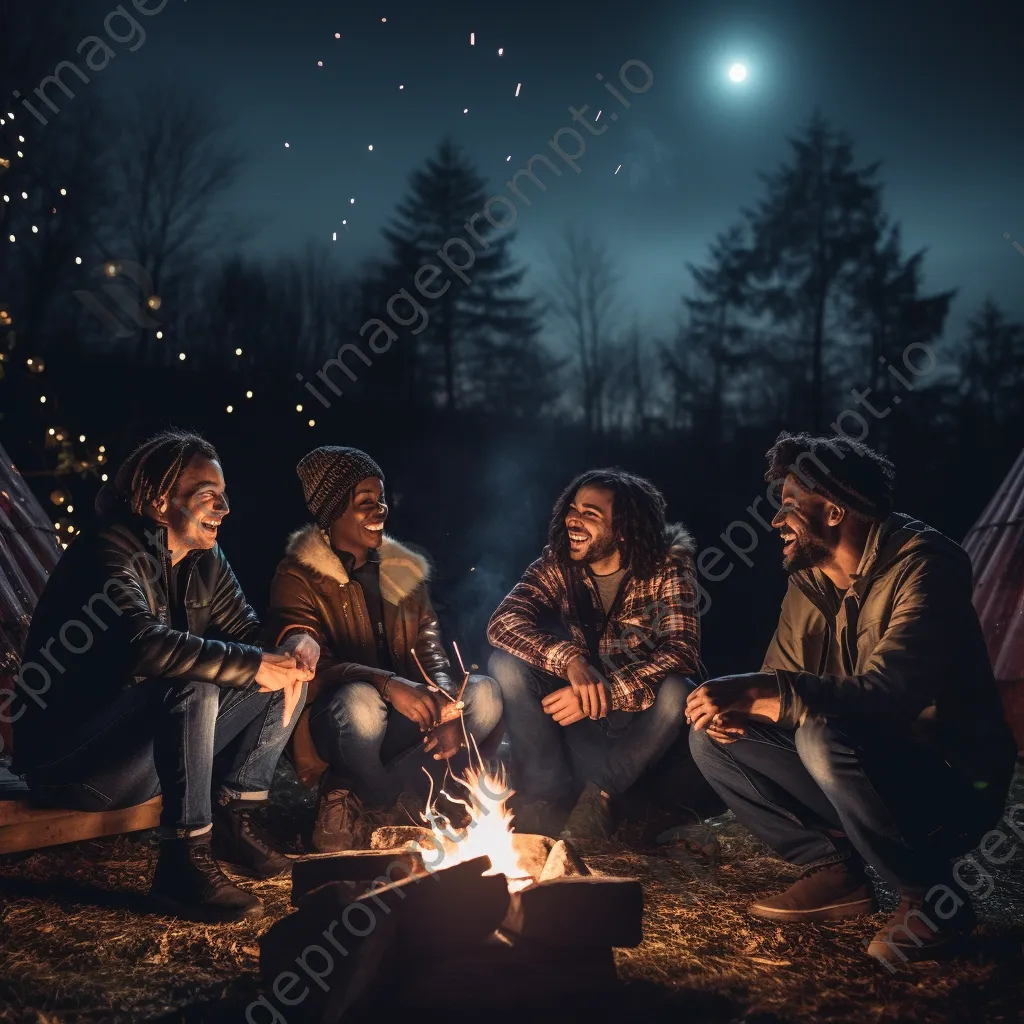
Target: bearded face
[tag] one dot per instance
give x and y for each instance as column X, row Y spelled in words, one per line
column 802, row 522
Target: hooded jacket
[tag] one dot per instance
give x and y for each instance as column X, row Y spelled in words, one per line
column 911, row 647
column 554, row 614
column 103, row 623
column 312, row 593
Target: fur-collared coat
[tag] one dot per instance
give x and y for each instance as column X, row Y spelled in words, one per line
column 312, row 592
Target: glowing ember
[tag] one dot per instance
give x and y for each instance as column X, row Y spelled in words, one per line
column 484, row 797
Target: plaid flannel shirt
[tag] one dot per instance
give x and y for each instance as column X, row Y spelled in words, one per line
column 654, row 628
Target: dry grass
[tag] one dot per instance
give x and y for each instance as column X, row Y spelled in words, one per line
column 75, row 947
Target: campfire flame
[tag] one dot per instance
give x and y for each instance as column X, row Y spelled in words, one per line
column 489, row 832
column 483, row 794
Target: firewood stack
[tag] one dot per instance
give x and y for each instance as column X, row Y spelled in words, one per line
column 461, row 937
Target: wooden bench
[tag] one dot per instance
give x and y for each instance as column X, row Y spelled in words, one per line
column 23, row 827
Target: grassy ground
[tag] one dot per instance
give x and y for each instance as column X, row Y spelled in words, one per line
column 76, row 944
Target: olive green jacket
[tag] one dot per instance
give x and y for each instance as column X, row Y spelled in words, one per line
column 910, row 646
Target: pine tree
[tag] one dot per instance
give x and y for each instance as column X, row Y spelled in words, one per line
column 480, row 342
column 815, row 222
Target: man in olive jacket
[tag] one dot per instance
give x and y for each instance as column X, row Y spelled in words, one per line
column 362, row 598
column 144, row 673
column 873, row 733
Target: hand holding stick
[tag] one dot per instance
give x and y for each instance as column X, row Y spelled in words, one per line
column 431, row 685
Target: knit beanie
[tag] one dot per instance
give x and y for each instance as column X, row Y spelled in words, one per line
column 328, row 474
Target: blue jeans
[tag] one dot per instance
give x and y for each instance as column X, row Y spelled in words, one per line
column 178, row 739
column 611, row 752
column 378, row 750
column 827, row 792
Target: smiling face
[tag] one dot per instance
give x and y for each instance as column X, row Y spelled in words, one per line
column 808, row 525
column 195, row 508
column 361, row 526
column 589, row 525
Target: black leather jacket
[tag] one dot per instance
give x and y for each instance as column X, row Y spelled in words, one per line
column 103, row 623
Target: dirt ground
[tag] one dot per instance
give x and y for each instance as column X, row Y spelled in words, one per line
column 77, row 945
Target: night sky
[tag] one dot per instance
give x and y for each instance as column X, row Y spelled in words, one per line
column 934, row 89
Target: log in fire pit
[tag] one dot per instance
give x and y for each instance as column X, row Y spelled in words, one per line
column 525, row 921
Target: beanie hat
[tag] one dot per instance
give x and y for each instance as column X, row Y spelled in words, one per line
column 327, row 475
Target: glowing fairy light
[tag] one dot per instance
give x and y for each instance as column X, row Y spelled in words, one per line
column 370, row 147
column 334, row 236
column 619, row 168
column 465, row 110
column 501, row 51
column 352, row 200
column 238, row 351
column 78, row 260
column 518, row 87
column 401, row 87
column 344, row 223
column 298, row 408
column 63, row 191
column 104, row 477
column 248, row 394
column 312, row 423
column 509, row 157
column 42, row 399
column 337, row 35
column 159, row 335
column 319, row 63
column 81, row 438
column 231, row 408
column 287, row 145
column 472, row 42
column 181, row 356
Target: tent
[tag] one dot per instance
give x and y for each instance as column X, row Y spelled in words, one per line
column 996, row 546
column 29, row 549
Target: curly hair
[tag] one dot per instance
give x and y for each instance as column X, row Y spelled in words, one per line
column 154, row 468
column 862, row 484
column 638, row 515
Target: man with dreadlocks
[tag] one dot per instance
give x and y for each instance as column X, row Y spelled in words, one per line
column 158, row 683
column 596, row 643
column 873, row 734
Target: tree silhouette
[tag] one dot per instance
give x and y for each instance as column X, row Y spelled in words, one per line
column 817, row 219
column 582, row 297
column 478, row 323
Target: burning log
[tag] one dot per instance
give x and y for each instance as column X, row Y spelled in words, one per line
column 399, row 837
column 310, row 872
column 579, row 912
column 563, row 861
column 339, row 944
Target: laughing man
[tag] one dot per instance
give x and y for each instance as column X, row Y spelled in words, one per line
column 363, row 598
column 595, row 646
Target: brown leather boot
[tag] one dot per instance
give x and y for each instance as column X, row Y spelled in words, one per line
column 821, row 894
column 922, row 929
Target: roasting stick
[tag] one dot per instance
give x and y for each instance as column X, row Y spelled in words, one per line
column 431, row 685
column 465, row 674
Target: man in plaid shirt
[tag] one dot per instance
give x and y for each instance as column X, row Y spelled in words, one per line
column 596, row 644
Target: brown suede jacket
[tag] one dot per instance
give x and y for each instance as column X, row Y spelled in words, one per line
column 312, row 592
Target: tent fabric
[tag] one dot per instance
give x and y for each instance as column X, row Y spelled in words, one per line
column 29, row 550
column 996, row 546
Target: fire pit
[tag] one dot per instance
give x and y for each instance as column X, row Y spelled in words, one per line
column 482, row 915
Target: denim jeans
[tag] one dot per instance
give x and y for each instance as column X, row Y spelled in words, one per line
column 549, row 760
column 826, row 792
column 378, row 750
column 179, row 739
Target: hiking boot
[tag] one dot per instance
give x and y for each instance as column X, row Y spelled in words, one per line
column 539, row 818
column 591, row 817
column 339, row 820
column 241, row 844
column 189, row 884
column 918, row 930
column 821, row 894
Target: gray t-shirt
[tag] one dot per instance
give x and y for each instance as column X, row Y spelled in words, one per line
column 608, row 587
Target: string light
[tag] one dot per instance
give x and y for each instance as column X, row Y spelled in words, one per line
column 312, row 423
column 42, row 398
column 104, row 477
column 298, row 408
column 159, row 335
column 472, row 40
column 238, row 351
column 248, row 394
column 231, row 408
column 501, row 51
column 518, row 87
column 81, row 438
column 181, row 356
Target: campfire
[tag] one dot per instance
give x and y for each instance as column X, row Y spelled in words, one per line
column 479, row 914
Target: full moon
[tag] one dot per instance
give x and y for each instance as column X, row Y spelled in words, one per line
column 738, row 72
